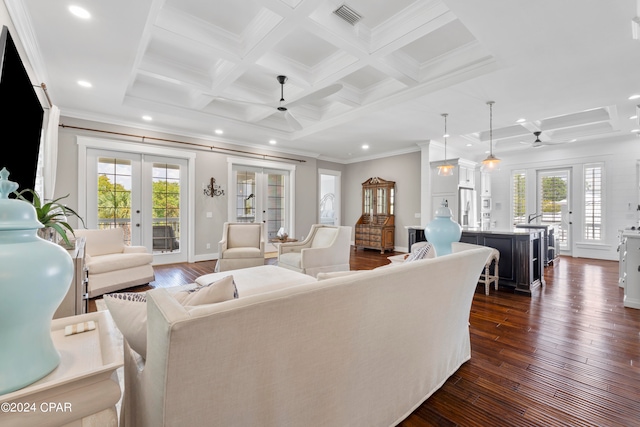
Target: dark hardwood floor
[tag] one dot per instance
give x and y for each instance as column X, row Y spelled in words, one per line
column 567, row 356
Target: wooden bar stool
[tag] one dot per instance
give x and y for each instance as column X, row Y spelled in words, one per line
column 487, row 278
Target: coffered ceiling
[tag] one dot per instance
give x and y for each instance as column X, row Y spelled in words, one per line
column 198, row 66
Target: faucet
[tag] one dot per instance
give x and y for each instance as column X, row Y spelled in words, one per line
column 533, row 216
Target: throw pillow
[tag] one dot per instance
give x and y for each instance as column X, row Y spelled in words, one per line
column 420, row 253
column 129, row 309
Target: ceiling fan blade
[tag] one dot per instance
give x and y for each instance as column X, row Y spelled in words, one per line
column 319, row 94
column 237, row 101
column 293, row 122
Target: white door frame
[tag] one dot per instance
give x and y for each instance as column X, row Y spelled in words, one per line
column 85, row 142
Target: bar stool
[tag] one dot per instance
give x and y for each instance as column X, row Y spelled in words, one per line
column 487, row 278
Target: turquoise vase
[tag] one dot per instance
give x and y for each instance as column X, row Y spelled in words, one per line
column 442, row 230
column 35, row 275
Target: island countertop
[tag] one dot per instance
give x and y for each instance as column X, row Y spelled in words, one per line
column 512, row 231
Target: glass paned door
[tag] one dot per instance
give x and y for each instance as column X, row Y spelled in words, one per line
column 115, row 206
column 142, row 194
column 262, row 195
column 554, row 204
column 166, row 207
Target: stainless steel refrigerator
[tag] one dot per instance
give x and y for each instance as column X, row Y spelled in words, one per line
column 468, row 207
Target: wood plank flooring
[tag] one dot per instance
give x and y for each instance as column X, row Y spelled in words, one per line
column 567, row 356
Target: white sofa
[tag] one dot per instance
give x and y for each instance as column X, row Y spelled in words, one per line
column 326, row 248
column 113, row 265
column 364, row 348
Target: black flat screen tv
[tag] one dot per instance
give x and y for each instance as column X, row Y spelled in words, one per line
column 21, row 121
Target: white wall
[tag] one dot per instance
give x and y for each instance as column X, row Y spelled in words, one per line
column 620, row 188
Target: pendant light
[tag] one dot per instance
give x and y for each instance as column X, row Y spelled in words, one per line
column 445, row 169
column 491, row 163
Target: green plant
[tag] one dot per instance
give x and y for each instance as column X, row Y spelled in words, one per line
column 52, row 214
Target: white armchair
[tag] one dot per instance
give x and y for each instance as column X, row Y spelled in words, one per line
column 242, row 246
column 111, row 264
column 325, row 249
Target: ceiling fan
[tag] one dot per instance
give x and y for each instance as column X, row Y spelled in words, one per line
column 538, row 143
column 283, row 106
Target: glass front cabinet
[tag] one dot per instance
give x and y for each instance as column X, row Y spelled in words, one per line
column 376, row 227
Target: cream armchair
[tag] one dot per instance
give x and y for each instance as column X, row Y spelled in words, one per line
column 242, row 246
column 325, row 249
column 111, row 264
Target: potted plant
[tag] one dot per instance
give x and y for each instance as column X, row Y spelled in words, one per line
column 52, row 214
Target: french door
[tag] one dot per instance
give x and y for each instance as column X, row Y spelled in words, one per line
column 262, row 192
column 144, row 194
column 554, row 204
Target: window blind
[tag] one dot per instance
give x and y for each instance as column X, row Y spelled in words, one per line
column 519, row 200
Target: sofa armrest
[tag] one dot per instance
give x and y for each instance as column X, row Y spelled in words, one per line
column 135, row 250
column 311, row 257
column 285, row 248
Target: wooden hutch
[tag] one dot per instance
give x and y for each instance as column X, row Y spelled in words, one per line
column 376, row 227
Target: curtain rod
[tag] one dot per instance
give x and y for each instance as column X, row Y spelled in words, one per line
column 46, row 92
column 193, row 144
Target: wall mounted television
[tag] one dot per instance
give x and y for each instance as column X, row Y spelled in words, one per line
column 22, row 116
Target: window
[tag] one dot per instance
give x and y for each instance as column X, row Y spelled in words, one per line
column 519, row 199
column 593, row 201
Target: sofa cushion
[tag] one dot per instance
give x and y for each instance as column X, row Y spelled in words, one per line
column 243, row 235
column 129, row 309
column 100, row 242
column 114, row 262
column 244, row 252
column 324, row 237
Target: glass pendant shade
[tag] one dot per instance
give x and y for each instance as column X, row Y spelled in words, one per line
column 491, row 163
column 447, row 168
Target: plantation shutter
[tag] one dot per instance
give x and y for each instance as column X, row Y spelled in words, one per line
column 519, row 200
column 593, row 201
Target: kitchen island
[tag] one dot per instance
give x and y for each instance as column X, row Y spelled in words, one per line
column 521, row 254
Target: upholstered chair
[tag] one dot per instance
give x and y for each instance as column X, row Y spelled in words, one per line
column 112, row 265
column 326, row 248
column 242, row 246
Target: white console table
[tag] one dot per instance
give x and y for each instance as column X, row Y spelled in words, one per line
column 83, row 390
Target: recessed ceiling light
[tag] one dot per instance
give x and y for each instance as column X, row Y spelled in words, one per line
column 446, row 135
column 469, row 144
column 633, row 117
column 635, row 130
column 147, row 118
column 273, row 142
column 365, row 146
column 79, row 12
column 636, row 96
column 521, row 120
column 84, row 83
column 219, row 131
